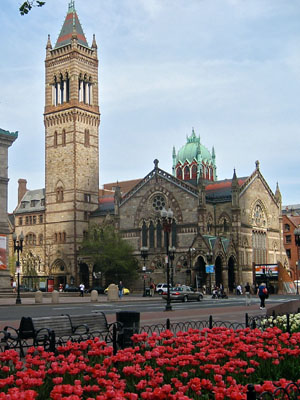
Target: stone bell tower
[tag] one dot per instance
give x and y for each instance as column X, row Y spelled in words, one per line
column 71, row 119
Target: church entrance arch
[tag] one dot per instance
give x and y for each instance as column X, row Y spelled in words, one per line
column 218, row 271
column 231, row 274
column 84, row 274
column 201, row 275
column 59, row 272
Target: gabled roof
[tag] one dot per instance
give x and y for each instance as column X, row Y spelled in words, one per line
column 32, row 201
column 295, row 219
column 71, row 27
column 221, row 190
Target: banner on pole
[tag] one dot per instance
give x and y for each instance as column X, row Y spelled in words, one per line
column 3, row 262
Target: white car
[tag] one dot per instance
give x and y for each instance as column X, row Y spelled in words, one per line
column 161, row 287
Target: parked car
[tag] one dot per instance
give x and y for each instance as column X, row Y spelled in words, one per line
column 24, row 288
column 125, row 291
column 161, row 287
column 183, row 293
column 71, row 289
column 99, row 289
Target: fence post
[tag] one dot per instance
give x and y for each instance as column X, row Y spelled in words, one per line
column 210, row 322
column 251, row 394
column 247, row 320
column 168, row 324
column 114, row 339
column 253, row 325
column 273, row 314
column 288, row 328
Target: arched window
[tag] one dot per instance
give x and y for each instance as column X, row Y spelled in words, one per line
column 194, row 172
column 174, row 233
column 151, row 235
column 55, row 139
column 158, row 235
column 59, row 194
column 63, row 138
column 144, row 235
column 186, row 173
column 179, row 173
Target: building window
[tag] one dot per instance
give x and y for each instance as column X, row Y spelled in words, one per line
column 30, row 239
column 42, row 202
column 144, row 235
column 20, row 221
column 86, row 137
column 288, row 239
column 87, row 197
column 59, row 194
column 41, row 219
column 194, row 172
column 158, row 203
column 259, row 246
column 179, row 173
column 26, row 220
column 55, row 139
column 55, row 237
column 287, row 227
column 86, row 215
column 23, row 204
column 40, row 239
column 288, row 253
column 85, row 234
column 186, row 173
column 34, row 219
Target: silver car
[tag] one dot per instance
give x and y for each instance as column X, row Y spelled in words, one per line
column 183, row 293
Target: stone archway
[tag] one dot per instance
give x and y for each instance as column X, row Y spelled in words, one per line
column 218, row 271
column 200, row 275
column 231, row 274
column 59, row 273
column 84, row 274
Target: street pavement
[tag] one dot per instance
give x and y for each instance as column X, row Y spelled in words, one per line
column 232, row 310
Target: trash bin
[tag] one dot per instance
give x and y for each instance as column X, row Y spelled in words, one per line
column 130, row 321
column 147, row 291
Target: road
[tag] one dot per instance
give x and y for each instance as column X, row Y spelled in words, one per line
column 152, row 309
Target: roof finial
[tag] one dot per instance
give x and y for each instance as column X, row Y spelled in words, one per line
column 72, row 5
column 156, row 163
column 257, row 164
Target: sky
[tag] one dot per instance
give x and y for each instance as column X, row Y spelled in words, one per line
column 230, row 69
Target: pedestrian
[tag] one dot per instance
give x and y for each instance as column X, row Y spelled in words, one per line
column 262, row 293
column 14, row 286
column 120, row 287
column 239, row 290
column 81, row 288
column 61, row 287
column 152, row 289
column 248, row 294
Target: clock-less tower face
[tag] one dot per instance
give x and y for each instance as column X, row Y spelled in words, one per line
column 71, row 121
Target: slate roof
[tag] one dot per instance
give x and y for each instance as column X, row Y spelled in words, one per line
column 32, row 201
column 71, row 26
column 221, row 190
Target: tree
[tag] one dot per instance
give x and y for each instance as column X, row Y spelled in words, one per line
column 110, row 254
column 27, row 6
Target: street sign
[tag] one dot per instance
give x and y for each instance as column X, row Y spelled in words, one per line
column 210, row 269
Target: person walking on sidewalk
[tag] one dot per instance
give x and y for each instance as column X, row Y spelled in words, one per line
column 262, row 293
column 248, row 294
column 120, row 287
column 81, row 288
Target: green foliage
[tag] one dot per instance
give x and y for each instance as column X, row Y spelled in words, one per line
column 27, row 6
column 111, row 254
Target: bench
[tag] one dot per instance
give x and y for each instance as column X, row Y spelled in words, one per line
column 96, row 325
column 41, row 331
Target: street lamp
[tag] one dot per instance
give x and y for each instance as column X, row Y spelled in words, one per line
column 144, row 255
column 18, row 247
column 167, row 219
column 172, row 256
column 297, row 241
column 209, row 257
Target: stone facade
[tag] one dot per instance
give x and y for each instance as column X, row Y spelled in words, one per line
column 6, row 140
column 231, row 224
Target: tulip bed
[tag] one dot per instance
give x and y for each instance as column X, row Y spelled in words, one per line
column 281, row 322
column 213, row 363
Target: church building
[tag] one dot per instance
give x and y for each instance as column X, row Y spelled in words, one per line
column 231, row 225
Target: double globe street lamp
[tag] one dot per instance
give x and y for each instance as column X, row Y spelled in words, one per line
column 18, row 247
column 167, row 219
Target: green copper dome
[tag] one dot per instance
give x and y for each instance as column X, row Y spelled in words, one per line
column 192, row 150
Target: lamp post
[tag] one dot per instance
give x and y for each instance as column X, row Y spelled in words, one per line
column 297, row 241
column 172, row 256
column 167, row 219
column 209, row 256
column 144, row 255
column 18, row 247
